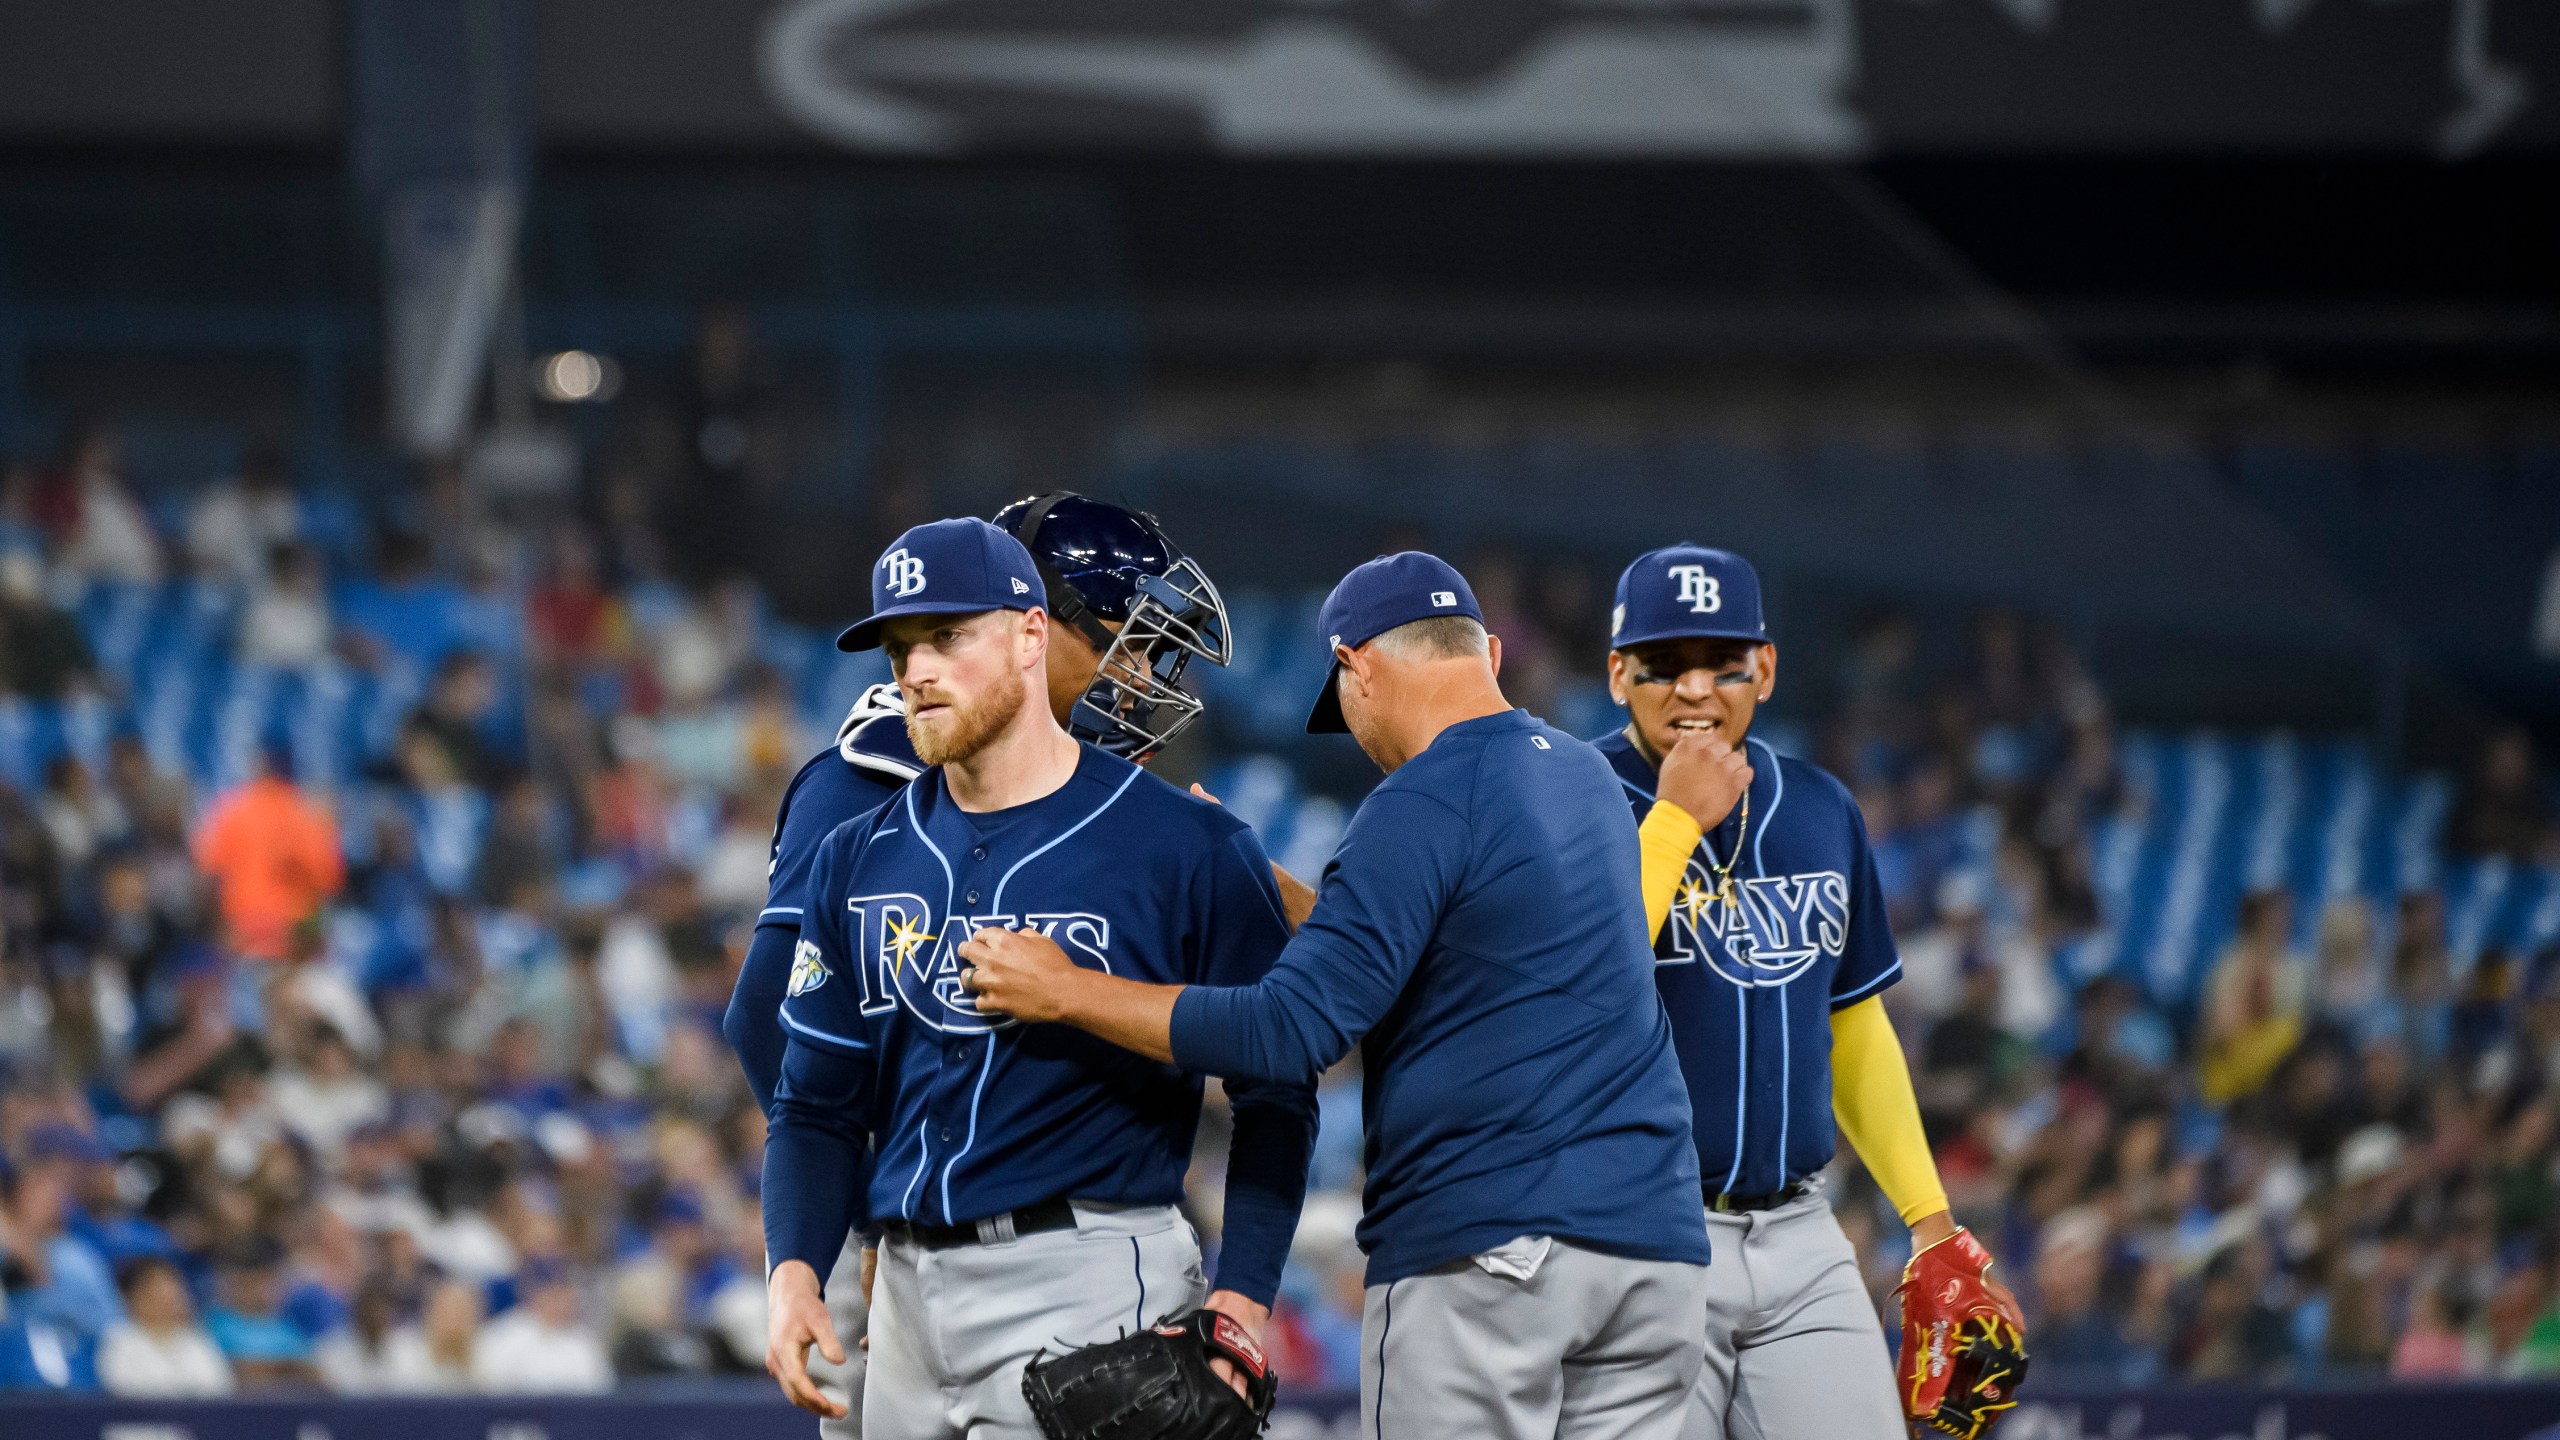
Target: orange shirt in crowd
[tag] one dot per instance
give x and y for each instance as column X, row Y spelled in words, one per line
column 274, row 859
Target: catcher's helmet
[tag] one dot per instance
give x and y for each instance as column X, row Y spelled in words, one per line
column 1102, row 562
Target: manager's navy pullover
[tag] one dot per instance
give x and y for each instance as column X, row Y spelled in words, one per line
column 1480, row 934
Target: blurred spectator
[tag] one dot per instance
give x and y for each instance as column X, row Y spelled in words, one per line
column 2502, row 809
column 402, row 615
column 2253, row 1008
column 2236, row 1332
column 286, row 622
column 236, row 526
column 457, row 713
column 273, row 855
column 2347, row 994
column 541, row 1347
column 159, row 1352
column 78, row 816
column 627, row 801
column 106, row 535
column 2075, row 1331
column 375, row 1354
column 569, row 616
column 58, row 1278
column 725, row 409
column 735, row 1309
column 265, row 1349
column 327, row 1097
column 658, row 1292
column 2433, row 1347
column 703, row 645
column 522, row 844
column 1970, row 1047
column 226, row 1122
column 447, row 816
column 451, row 1331
column 42, row 652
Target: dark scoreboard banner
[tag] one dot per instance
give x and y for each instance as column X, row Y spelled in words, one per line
column 2471, row 1412
column 1670, row 77
column 1520, row 79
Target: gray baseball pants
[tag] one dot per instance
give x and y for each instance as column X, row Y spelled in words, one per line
column 1583, row 1346
column 1794, row 1349
column 951, row 1329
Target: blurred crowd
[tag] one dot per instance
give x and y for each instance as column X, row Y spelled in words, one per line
column 2331, row 1157
column 407, row 1078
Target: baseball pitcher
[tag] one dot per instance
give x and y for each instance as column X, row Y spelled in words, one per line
column 1130, row 613
column 1023, row 1179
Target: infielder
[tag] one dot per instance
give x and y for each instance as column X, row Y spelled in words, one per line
column 1537, row 1254
column 1132, row 612
column 1772, row 951
column 1024, row 1181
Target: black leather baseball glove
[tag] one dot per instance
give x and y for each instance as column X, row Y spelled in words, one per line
column 1154, row 1385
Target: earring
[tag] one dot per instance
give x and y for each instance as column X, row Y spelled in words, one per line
column 1764, row 699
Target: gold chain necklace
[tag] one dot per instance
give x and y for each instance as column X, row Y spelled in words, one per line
column 1724, row 874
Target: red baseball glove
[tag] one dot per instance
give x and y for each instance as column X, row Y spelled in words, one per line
column 1964, row 1345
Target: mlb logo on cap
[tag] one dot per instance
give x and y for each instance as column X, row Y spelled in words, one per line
column 1684, row 591
column 1375, row 598
column 950, row 567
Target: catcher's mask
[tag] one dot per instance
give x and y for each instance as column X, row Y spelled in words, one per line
column 1102, row 562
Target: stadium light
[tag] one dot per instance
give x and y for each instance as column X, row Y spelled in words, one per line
column 573, row 377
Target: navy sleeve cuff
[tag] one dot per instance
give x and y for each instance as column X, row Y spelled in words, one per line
column 1202, row 1031
column 1266, row 1184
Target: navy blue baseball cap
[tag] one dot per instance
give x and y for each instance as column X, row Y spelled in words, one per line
column 1375, row 598
column 1685, row 591
column 949, row 567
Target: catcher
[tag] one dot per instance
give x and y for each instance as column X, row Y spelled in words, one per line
column 1771, row 954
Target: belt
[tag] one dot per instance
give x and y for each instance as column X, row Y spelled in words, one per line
column 1725, row 1202
column 1051, row 1214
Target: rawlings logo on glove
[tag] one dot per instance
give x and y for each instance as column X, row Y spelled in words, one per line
column 1964, row 1346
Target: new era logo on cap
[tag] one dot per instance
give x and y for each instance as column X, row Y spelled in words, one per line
column 1018, row 587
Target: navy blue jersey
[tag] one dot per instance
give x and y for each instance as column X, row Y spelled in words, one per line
column 1751, row 985
column 1479, row 936
column 869, row 761
column 964, row 1116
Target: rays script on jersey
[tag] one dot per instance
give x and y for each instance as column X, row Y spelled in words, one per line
column 908, row 962
column 1773, row 928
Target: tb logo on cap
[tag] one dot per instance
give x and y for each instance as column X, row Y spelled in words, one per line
column 1700, row 591
column 906, row 572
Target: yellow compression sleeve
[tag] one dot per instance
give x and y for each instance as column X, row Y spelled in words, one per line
column 1668, row 836
column 1872, row 1099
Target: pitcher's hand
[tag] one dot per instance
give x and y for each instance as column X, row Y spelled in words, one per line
column 796, row 1319
column 1248, row 1314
